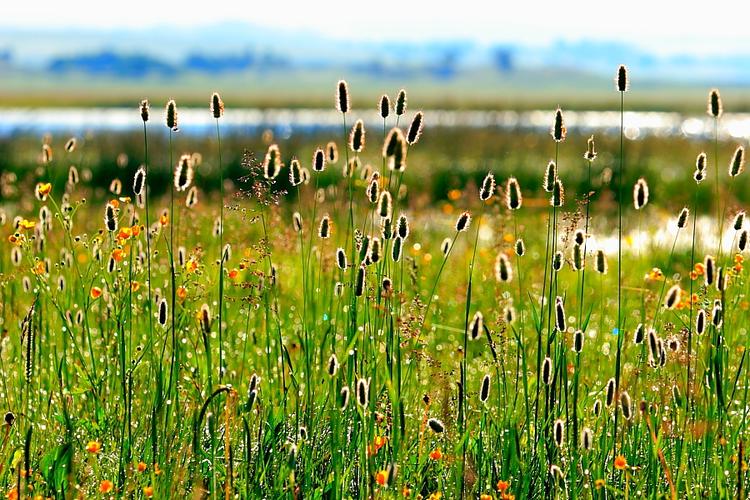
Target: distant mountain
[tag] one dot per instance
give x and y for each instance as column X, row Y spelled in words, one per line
column 237, row 47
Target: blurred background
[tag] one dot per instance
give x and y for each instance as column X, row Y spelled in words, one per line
column 487, row 74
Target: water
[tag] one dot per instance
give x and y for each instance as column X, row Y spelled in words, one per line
column 286, row 122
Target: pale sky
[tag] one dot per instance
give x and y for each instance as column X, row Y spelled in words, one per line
column 662, row 26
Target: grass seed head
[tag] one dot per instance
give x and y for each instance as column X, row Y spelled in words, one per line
column 401, row 102
column 217, row 106
column 342, row 97
column 415, row 129
column 715, row 107
column 385, row 106
column 171, row 115
column 621, row 80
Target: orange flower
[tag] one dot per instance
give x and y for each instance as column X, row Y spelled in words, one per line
column 157, row 470
column 118, row 254
column 508, row 496
column 94, row 447
column 115, row 203
column 233, row 273
column 485, row 496
column 182, row 292
column 700, row 268
column 148, row 491
column 382, row 478
column 135, row 286
column 502, row 486
column 191, row 266
column 125, row 233
column 693, row 275
column 96, row 292
column 12, row 494
column 164, row 219
column 16, row 239
column 738, row 258
column 39, row 268
column 621, row 463
column 406, row 492
column 106, row 486
column 135, row 230
column 436, row 454
column 141, row 467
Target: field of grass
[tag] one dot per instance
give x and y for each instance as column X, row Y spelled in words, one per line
column 457, row 318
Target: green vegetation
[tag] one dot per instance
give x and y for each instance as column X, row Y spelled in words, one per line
column 258, row 325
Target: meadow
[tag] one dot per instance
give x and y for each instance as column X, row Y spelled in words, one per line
column 390, row 312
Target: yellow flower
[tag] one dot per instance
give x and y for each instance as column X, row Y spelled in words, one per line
column 27, row 224
column 599, row 483
column 43, row 189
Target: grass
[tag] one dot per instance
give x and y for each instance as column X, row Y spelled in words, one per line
column 291, row 365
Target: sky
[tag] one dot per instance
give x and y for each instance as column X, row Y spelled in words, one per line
column 663, row 26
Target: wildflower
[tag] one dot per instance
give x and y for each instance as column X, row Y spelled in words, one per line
column 93, row 447
column 502, row 486
column 382, row 478
column 148, row 491
column 106, row 486
column 436, row 454
column 96, row 292
column 42, row 190
column 621, row 462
